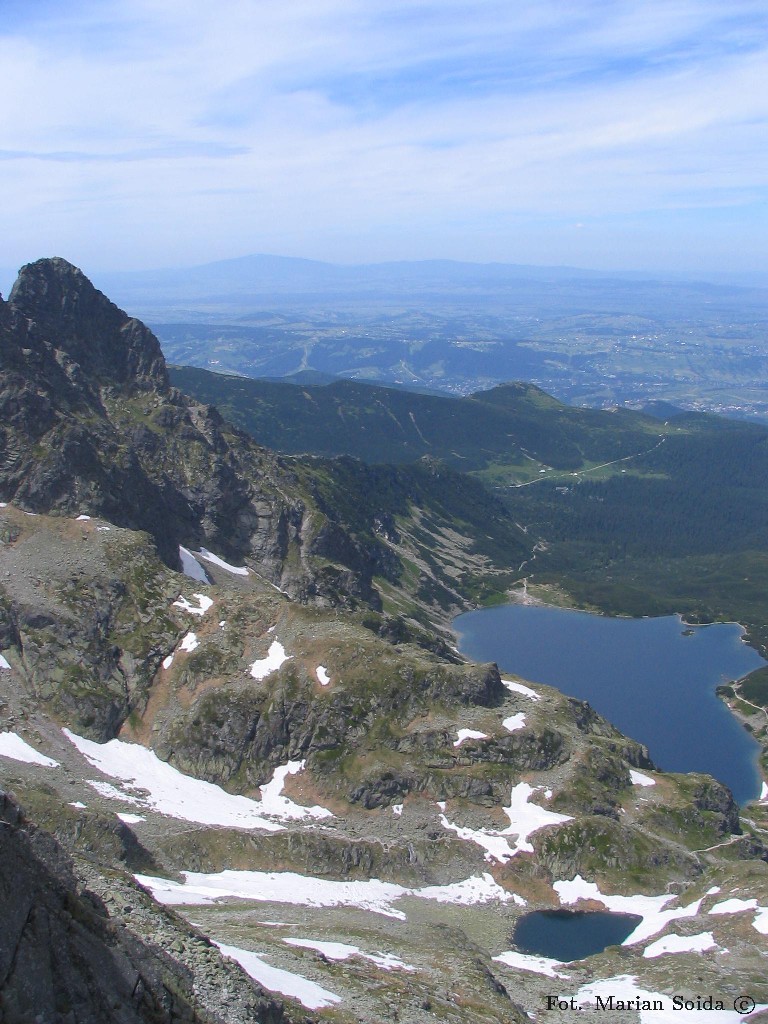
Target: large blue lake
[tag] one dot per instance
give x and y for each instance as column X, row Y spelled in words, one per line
column 649, row 678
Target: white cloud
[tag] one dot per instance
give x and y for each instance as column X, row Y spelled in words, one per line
column 143, row 133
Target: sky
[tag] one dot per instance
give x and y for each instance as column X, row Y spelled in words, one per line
column 615, row 134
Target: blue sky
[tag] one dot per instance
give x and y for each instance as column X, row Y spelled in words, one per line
column 628, row 134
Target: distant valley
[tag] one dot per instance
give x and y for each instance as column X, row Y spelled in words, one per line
column 587, row 337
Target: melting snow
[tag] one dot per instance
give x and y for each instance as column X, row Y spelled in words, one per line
column 476, row 889
column 526, row 962
column 514, row 722
column 276, row 657
column 733, row 906
column 680, row 944
column 17, row 749
column 130, row 819
column 301, row 890
column 204, row 604
column 189, row 643
column 524, row 819
column 215, row 560
column 650, row 908
column 167, row 662
column 737, row 906
column 83, row 519
column 272, row 802
column 638, row 779
column 514, row 687
column 322, row 675
column 308, row 993
column 469, row 734
column 277, row 887
column 111, row 792
column 171, row 792
column 191, row 567
column 4, row 662
column 343, row 951
column 77, row 803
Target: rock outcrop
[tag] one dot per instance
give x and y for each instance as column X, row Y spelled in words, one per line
column 65, row 956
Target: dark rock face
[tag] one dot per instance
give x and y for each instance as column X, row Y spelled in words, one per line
column 90, row 423
column 63, row 959
column 63, row 308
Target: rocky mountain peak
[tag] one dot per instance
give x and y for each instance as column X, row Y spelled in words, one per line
column 64, row 309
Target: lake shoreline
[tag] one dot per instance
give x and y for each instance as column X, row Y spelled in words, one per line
column 701, row 695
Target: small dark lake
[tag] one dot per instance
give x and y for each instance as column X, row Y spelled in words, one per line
column 571, row 935
column 654, row 679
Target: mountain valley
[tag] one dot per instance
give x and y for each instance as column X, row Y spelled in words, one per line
column 235, row 726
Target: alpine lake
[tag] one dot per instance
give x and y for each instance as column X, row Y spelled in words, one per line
column 655, row 680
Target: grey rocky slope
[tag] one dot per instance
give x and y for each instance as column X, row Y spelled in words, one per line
column 78, row 946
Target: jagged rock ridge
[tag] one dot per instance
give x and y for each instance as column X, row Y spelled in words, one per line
column 90, row 423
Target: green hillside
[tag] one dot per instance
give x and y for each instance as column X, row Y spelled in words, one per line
column 633, row 515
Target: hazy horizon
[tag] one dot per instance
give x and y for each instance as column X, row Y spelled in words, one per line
column 625, row 136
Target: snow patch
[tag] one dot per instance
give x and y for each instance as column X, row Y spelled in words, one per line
column 322, row 675
column 106, row 789
column 638, row 779
column 524, row 819
column 191, row 567
column 301, row 890
column 343, row 951
column 83, row 519
column 204, row 604
column 309, row 994
column 276, row 657
column 17, row 749
column 170, row 792
column 469, row 734
column 514, row 722
column 397, row 809
column 514, row 687
column 733, row 906
column 189, row 643
column 130, row 819
column 469, row 892
column 273, row 803
column 526, row 962
column 680, row 944
column 4, row 662
column 764, row 792
column 215, row 560
column 167, row 662
column 79, row 804
column 650, row 908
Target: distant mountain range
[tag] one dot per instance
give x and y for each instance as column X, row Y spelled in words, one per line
column 258, row 280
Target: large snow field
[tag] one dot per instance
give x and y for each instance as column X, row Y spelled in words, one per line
column 171, row 792
column 379, row 897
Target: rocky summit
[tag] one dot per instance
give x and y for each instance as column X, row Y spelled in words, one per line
column 247, row 777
